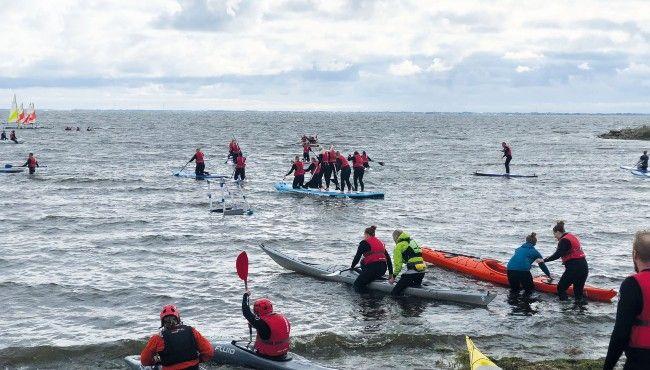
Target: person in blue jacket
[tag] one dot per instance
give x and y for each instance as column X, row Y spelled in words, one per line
column 519, row 275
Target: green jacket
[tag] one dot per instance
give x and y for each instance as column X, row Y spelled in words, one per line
column 406, row 251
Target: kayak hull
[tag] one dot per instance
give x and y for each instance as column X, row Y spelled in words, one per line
column 334, row 273
column 495, row 272
column 487, row 174
column 477, row 360
column 636, row 172
column 284, row 187
column 191, row 175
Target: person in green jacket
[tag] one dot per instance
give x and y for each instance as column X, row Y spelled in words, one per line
column 407, row 251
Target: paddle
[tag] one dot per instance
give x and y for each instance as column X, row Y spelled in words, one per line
column 242, row 270
column 182, row 168
column 338, row 272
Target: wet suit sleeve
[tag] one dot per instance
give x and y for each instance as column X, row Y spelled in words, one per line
column 262, row 328
column 311, row 167
column 293, row 167
column 363, row 248
column 206, row 351
column 536, row 255
column 193, row 158
column 154, row 345
column 629, row 307
column 563, row 248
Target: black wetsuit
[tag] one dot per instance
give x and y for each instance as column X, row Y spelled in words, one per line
column 357, row 175
column 643, row 163
column 316, row 179
column 299, row 180
column 575, row 273
column 371, row 271
column 630, row 305
column 507, row 154
column 3, row 136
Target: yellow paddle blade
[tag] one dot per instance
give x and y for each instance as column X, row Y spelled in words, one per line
column 477, row 360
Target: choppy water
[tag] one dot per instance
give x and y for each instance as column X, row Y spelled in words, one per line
column 95, row 244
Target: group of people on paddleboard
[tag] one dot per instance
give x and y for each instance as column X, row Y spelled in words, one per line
column 234, row 153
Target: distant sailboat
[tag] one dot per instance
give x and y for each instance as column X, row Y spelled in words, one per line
column 21, row 114
column 13, row 114
column 21, row 117
column 30, row 118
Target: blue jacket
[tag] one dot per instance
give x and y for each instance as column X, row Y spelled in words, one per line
column 524, row 257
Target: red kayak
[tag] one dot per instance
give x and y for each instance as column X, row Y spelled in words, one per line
column 495, row 272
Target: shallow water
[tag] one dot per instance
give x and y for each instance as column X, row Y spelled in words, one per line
column 98, row 241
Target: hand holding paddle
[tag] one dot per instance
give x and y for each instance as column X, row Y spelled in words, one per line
column 242, row 270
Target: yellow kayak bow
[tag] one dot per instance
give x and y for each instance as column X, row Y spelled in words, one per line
column 477, row 360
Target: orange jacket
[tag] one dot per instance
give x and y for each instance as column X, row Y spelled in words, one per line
column 156, row 345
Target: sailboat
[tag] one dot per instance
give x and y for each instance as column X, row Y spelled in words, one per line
column 21, row 117
column 13, row 113
column 30, row 118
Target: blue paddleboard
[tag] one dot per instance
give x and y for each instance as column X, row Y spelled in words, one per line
column 487, row 174
column 283, row 187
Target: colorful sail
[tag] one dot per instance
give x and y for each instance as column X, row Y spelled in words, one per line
column 13, row 114
column 21, row 114
column 31, row 117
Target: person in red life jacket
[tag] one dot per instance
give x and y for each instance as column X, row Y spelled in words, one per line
column 298, row 169
column 344, row 165
column 199, row 157
column 375, row 260
column 177, row 346
column 12, row 136
column 327, row 166
column 574, row 261
column 316, row 181
column 631, row 332
column 31, row 163
column 240, row 168
column 366, row 159
column 507, row 154
column 306, row 148
column 358, row 169
column 273, row 329
column 233, row 150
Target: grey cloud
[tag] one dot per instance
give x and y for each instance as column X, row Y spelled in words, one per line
column 204, row 15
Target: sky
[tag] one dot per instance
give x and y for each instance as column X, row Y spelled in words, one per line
column 333, row 55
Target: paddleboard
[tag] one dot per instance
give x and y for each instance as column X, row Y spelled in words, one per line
column 477, row 173
column 635, row 171
column 284, row 187
column 12, row 169
column 192, row 175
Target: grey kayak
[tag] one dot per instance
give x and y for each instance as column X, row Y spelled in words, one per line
column 238, row 353
column 330, row 273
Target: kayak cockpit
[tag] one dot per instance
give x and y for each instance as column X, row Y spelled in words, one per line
column 248, row 347
column 495, row 265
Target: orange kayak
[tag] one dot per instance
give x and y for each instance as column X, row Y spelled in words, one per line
column 495, row 272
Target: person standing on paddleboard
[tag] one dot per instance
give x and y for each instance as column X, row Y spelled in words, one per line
column 298, row 169
column 407, row 251
column 344, row 165
column 199, row 170
column 176, row 346
column 273, row 329
column 306, row 148
column 507, row 154
column 234, row 150
column 240, row 168
column 366, row 159
column 631, row 332
column 31, row 163
column 358, row 166
column 375, row 260
column 519, row 275
column 574, row 260
column 642, row 164
column 327, row 165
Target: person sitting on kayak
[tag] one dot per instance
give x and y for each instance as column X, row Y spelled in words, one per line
column 240, row 168
column 344, row 165
column 316, row 175
column 12, row 136
column 507, row 154
column 273, row 329
column 31, row 163
column 233, row 150
column 574, row 261
column 519, row 275
column 298, row 169
column 632, row 330
column 3, row 136
column 375, row 260
column 406, row 251
column 366, row 159
column 199, row 170
column 642, row 164
column 176, row 346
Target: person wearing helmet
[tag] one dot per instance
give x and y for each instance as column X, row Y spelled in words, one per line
column 273, row 329
column 407, row 251
column 177, row 346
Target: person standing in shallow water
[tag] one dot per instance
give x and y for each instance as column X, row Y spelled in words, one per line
column 507, row 154
column 518, row 268
column 31, row 163
column 631, row 332
column 574, row 260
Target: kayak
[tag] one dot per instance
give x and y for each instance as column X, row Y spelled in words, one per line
column 477, row 360
column 192, row 175
column 495, row 272
column 11, row 141
column 635, row 171
column 342, row 275
column 284, row 187
column 238, row 353
column 501, row 174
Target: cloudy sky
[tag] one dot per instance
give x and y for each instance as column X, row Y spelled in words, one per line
column 481, row 56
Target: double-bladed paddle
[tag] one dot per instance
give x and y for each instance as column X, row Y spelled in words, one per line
column 242, row 270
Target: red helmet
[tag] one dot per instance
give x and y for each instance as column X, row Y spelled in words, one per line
column 263, row 307
column 170, row 310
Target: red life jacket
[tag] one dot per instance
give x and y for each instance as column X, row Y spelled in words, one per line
column 344, row 162
column 31, row 162
column 365, row 158
column 279, row 342
column 326, row 157
column 300, row 168
column 316, row 169
column 376, row 253
column 234, row 148
column 507, row 151
column 305, row 148
column 241, row 162
column 357, row 161
column 199, row 157
column 332, row 156
column 640, row 335
column 576, row 250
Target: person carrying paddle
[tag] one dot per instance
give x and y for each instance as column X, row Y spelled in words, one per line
column 407, row 251
column 519, row 275
column 642, row 164
column 273, row 329
column 176, row 346
column 240, row 168
column 199, row 157
column 507, row 154
column 574, row 260
column 298, row 169
column 31, row 163
column 631, row 332
column 375, row 260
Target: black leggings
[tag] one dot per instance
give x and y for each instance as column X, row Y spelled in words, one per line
column 199, row 170
column 315, row 182
column 241, row 172
column 305, row 156
column 369, row 273
column 507, row 164
column 519, row 280
column 575, row 273
column 407, row 280
column 345, row 178
column 358, row 176
column 298, row 181
column 327, row 172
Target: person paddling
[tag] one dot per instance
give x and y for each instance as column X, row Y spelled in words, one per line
column 574, row 260
column 407, row 251
column 358, row 168
column 507, row 154
column 12, row 136
column 3, row 136
column 642, row 164
column 31, row 163
column 519, row 275
column 298, row 169
column 240, row 168
column 631, row 333
column 344, row 165
column 316, row 175
column 199, row 157
column 273, row 329
column 176, row 346
column 375, row 260
column 366, row 159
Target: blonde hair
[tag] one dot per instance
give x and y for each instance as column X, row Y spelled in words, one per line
column 641, row 245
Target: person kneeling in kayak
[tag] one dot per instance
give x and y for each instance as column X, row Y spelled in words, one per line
column 519, row 275
column 273, row 329
column 574, row 261
column 407, row 251
column 375, row 260
column 177, row 346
